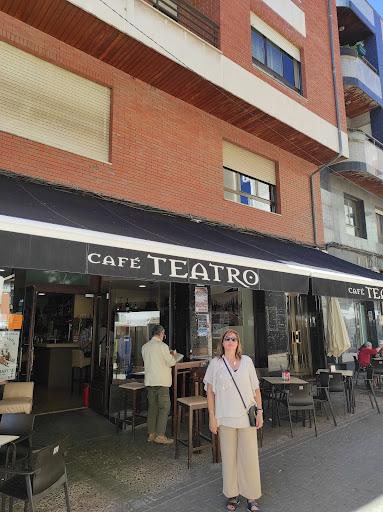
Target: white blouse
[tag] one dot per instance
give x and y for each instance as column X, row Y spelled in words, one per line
column 229, row 408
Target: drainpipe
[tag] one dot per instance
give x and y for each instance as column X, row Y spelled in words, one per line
column 338, row 124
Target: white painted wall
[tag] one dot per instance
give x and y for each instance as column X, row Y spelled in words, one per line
column 290, row 13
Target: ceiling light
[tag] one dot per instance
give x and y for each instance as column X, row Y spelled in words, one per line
column 142, row 286
column 41, row 293
column 341, row 28
column 2, row 269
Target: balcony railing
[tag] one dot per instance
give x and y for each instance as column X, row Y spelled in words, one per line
column 364, row 148
column 189, row 17
column 356, row 67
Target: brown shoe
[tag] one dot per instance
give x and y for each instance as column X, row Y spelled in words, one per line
column 163, row 440
column 151, row 437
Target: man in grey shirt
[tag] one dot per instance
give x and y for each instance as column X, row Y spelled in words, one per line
column 158, row 379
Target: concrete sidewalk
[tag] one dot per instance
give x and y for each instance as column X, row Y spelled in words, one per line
column 340, row 471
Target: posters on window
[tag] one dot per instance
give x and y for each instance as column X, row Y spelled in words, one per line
column 203, row 325
column 9, row 349
column 201, row 300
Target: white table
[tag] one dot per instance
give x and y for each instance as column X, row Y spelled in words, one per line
column 7, row 439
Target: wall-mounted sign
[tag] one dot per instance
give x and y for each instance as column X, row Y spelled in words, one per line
column 112, row 261
column 15, row 321
column 201, row 299
column 327, row 287
column 9, row 349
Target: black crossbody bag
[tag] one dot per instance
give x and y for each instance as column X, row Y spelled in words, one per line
column 252, row 411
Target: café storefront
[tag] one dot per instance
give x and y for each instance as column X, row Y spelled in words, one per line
column 70, row 258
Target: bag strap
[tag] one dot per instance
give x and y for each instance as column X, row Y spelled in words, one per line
column 244, row 405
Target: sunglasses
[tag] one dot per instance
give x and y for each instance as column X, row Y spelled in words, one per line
column 228, row 338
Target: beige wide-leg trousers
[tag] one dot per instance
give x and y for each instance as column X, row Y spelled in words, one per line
column 240, row 465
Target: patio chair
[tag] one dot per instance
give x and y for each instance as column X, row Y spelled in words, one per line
column 17, row 424
column 369, row 380
column 17, row 397
column 377, row 370
column 337, row 384
column 323, row 395
column 265, row 387
column 300, row 398
column 46, row 472
column 358, row 368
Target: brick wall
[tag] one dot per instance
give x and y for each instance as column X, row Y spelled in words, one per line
column 318, row 92
column 164, row 152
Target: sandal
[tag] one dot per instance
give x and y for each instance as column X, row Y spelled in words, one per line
column 253, row 504
column 231, row 506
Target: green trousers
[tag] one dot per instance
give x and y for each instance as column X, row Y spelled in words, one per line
column 158, row 409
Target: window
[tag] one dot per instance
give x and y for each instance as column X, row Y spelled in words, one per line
column 379, row 225
column 246, row 190
column 248, row 178
column 353, row 213
column 271, row 58
column 48, row 104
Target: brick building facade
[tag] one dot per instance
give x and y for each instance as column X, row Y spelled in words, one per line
column 221, row 121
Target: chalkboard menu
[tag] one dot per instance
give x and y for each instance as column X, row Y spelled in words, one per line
column 276, row 322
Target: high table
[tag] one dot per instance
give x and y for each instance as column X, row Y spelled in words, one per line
column 348, row 374
column 278, row 381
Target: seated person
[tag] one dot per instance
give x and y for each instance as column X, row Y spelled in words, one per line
column 365, row 352
column 85, row 338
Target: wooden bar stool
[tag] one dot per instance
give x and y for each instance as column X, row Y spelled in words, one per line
column 134, row 388
column 82, row 364
column 193, row 405
column 185, row 369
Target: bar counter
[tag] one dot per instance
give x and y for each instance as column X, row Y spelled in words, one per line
column 53, row 364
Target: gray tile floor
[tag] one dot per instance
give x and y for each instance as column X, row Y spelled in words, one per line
column 340, row 470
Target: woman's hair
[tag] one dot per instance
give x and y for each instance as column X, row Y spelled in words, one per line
column 221, row 350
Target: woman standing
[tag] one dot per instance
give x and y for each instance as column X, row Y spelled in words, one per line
column 229, row 417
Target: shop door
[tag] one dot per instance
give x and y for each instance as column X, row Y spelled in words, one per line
column 101, row 354
column 27, row 334
column 299, row 355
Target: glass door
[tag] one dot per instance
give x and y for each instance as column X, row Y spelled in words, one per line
column 300, row 358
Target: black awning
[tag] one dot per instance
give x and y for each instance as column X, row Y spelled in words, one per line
column 47, row 228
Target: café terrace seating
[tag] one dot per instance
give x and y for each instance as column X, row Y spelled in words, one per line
column 17, row 397
column 299, row 397
column 45, row 473
column 21, row 425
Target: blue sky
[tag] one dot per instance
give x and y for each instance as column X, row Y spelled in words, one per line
column 377, row 5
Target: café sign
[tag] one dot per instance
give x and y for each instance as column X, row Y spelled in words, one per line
column 113, row 261
column 326, row 287
column 365, row 292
